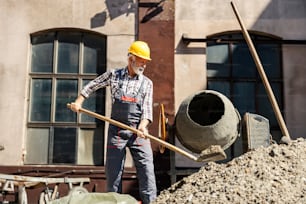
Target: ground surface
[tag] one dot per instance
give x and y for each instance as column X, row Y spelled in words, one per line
column 275, row 174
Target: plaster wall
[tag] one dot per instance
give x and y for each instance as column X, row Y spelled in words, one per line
column 18, row 19
column 294, row 75
column 200, row 18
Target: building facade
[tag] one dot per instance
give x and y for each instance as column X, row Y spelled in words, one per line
column 50, row 49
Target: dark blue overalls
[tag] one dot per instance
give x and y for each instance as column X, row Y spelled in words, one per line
column 128, row 110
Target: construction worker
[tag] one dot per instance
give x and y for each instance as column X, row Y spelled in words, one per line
column 132, row 95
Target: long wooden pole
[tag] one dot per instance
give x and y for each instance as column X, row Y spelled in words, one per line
column 262, row 74
column 213, row 153
column 134, row 130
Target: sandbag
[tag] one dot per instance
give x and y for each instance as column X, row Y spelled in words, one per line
column 95, row 198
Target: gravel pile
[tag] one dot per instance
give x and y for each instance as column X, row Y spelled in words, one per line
column 275, row 174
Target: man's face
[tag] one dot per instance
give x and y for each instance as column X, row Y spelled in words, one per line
column 138, row 64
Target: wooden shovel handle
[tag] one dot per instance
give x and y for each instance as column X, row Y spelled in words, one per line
column 134, row 130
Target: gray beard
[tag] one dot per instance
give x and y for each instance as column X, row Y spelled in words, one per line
column 138, row 70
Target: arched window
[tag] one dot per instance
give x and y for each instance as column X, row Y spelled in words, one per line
column 232, row 71
column 62, row 62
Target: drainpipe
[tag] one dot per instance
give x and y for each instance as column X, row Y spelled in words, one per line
column 137, row 20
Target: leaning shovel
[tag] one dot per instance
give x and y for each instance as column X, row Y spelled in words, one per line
column 286, row 137
column 213, row 153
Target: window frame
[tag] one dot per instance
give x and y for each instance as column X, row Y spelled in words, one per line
column 235, row 37
column 80, row 77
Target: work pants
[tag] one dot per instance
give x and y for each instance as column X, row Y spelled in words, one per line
column 141, row 152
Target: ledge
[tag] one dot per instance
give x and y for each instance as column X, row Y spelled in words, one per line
column 190, row 39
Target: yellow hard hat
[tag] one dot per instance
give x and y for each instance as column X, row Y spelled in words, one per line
column 140, row 49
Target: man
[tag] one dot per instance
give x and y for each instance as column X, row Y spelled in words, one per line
column 132, row 95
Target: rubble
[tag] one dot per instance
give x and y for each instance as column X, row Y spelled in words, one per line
column 274, row 174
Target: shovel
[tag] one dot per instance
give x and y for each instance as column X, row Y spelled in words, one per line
column 286, row 137
column 213, row 153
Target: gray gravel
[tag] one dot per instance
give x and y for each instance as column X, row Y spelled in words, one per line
column 275, row 174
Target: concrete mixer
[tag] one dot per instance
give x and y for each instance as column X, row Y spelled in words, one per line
column 205, row 119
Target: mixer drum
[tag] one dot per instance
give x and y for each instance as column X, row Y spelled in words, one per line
column 207, row 118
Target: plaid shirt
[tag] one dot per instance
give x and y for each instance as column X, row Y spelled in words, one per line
column 129, row 85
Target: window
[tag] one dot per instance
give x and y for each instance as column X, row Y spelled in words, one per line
column 232, row 71
column 62, row 62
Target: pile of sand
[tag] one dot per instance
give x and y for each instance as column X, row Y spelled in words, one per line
column 275, row 174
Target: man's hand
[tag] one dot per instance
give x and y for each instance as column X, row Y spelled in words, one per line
column 77, row 104
column 142, row 128
column 75, row 107
column 142, row 131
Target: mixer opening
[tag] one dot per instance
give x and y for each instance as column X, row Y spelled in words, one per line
column 206, row 109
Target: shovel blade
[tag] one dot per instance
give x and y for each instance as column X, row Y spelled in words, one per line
column 212, row 153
